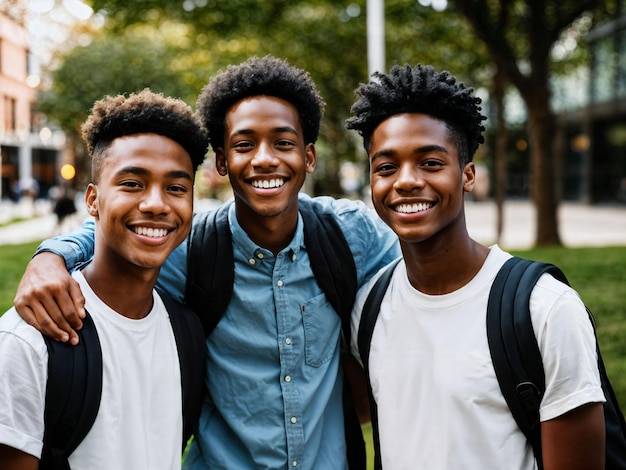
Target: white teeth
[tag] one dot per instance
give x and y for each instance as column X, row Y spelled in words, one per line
column 265, row 184
column 411, row 208
column 151, row 232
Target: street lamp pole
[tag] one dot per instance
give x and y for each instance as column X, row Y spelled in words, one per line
column 375, row 36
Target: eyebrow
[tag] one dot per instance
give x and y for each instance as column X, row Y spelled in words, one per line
column 275, row 130
column 418, row 150
column 137, row 170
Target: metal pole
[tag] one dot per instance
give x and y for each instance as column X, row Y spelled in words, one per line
column 375, row 36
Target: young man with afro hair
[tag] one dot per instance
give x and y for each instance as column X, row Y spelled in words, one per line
column 145, row 149
column 274, row 374
column 439, row 405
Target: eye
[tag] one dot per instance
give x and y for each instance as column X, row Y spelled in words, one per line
column 285, row 144
column 384, row 168
column 178, row 188
column 130, row 184
column 243, row 146
column 432, row 164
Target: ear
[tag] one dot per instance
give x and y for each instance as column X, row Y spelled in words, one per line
column 220, row 162
column 310, row 157
column 91, row 200
column 469, row 177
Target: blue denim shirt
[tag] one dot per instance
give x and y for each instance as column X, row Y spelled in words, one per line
column 273, row 367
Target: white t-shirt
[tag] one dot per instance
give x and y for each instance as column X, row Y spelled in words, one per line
column 139, row 423
column 439, row 402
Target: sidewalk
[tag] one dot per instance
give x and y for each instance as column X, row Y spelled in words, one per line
column 580, row 225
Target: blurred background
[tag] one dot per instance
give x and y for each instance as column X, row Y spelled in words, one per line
column 551, row 75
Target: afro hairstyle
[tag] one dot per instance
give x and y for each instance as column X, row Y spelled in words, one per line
column 143, row 112
column 420, row 89
column 266, row 76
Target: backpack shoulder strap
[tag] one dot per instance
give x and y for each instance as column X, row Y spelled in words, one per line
column 210, row 266
column 331, row 259
column 371, row 309
column 191, row 346
column 333, row 266
column 73, row 393
column 512, row 343
column 369, row 315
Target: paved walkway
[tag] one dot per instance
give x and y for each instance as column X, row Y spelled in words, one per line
column 580, row 225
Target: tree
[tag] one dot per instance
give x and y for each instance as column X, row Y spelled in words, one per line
column 110, row 65
column 325, row 37
column 519, row 35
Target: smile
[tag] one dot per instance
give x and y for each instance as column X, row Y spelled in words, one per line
column 413, row 208
column 267, row 184
column 150, row 232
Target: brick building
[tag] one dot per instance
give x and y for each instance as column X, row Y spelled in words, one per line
column 29, row 151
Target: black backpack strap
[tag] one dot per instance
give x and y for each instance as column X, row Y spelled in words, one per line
column 191, row 345
column 333, row 266
column 73, row 393
column 371, row 309
column 509, row 333
column 331, row 259
column 210, row 266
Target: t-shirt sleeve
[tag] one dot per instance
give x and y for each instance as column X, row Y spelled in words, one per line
column 568, row 346
column 23, row 375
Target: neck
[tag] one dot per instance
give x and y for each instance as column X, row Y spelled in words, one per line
column 440, row 267
column 272, row 232
column 127, row 291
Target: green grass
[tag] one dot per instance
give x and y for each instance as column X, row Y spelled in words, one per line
column 598, row 274
column 13, row 261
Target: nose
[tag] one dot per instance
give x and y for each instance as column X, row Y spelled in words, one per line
column 265, row 156
column 154, row 201
column 409, row 177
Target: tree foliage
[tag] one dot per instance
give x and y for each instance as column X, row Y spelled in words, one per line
column 327, row 38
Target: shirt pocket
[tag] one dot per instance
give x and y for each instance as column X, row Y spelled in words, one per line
column 321, row 330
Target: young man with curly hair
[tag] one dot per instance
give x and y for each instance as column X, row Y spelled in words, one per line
column 273, row 368
column 439, row 405
column 146, row 149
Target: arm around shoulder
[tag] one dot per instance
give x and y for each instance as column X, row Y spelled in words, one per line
column 49, row 299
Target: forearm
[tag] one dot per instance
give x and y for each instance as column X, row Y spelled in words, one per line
column 75, row 247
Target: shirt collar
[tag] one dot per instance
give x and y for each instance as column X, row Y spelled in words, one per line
column 243, row 243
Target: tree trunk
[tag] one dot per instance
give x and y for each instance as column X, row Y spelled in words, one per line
column 542, row 184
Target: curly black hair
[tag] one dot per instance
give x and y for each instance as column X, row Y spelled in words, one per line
column 267, row 76
column 420, row 89
column 146, row 111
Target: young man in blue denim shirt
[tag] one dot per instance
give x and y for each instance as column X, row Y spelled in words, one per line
column 273, row 366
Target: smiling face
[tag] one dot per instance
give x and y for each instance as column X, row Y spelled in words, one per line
column 417, row 182
column 143, row 201
column 265, row 157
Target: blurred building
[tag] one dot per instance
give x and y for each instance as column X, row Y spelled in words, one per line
column 29, row 150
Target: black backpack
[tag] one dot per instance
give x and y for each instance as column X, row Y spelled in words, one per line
column 509, row 333
column 74, row 385
column 210, row 278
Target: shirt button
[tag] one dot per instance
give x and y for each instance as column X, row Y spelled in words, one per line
column 259, row 255
column 288, row 378
column 294, row 420
column 279, row 283
column 294, row 464
column 293, row 257
column 288, row 340
column 251, row 261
